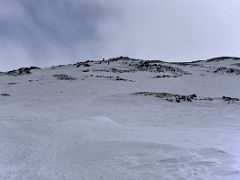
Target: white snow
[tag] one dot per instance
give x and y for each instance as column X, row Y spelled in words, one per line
column 92, row 128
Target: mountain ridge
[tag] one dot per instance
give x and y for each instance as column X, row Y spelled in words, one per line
column 214, row 59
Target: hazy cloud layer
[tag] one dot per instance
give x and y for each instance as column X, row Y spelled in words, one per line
column 47, row 32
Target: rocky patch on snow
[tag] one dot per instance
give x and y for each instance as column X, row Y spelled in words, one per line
column 230, row 99
column 129, row 65
column 21, row 71
column 12, row 83
column 4, row 94
column 166, row 76
column 224, row 98
column 56, row 67
column 119, row 58
column 64, row 77
column 184, row 98
column 114, row 70
column 117, row 78
column 125, row 59
column 168, row 96
column 83, row 64
column 225, row 70
column 31, row 80
column 85, row 70
column 158, row 68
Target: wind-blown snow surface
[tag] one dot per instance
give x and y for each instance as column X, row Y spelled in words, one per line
column 93, row 127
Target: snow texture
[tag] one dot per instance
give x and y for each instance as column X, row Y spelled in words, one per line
column 114, row 120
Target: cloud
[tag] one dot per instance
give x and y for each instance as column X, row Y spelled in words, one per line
column 48, row 31
column 51, row 32
column 175, row 30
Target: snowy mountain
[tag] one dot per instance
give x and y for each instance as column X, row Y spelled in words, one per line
column 122, row 118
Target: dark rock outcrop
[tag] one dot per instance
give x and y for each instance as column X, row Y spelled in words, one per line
column 230, row 99
column 11, row 83
column 185, row 98
column 117, row 78
column 114, row 70
column 64, row 77
column 168, row 96
column 85, row 70
column 225, row 70
column 83, row 64
column 5, row 94
column 159, row 68
column 21, row 71
column 166, row 76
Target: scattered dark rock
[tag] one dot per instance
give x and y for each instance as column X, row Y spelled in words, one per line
column 64, row 77
column 118, row 58
column 169, row 97
column 224, row 70
column 188, row 98
column 101, row 70
column 55, row 67
column 169, row 100
column 105, row 77
column 11, row 84
column 178, row 100
column 113, row 70
column 30, row 80
column 85, row 70
column 21, row 71
column 83, row 64
column 117, row 78
column 156, row 94
column 5, row 94
column 120, row 71
column 166, row 76
column 122, row 79
column 181, row 98
column 229, row 99
column 158, row 68
column 135, row 65
column 206, row 99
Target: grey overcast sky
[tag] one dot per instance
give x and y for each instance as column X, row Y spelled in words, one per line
column 47, row 32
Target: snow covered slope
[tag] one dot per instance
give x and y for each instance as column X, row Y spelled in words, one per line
column 121, row 118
